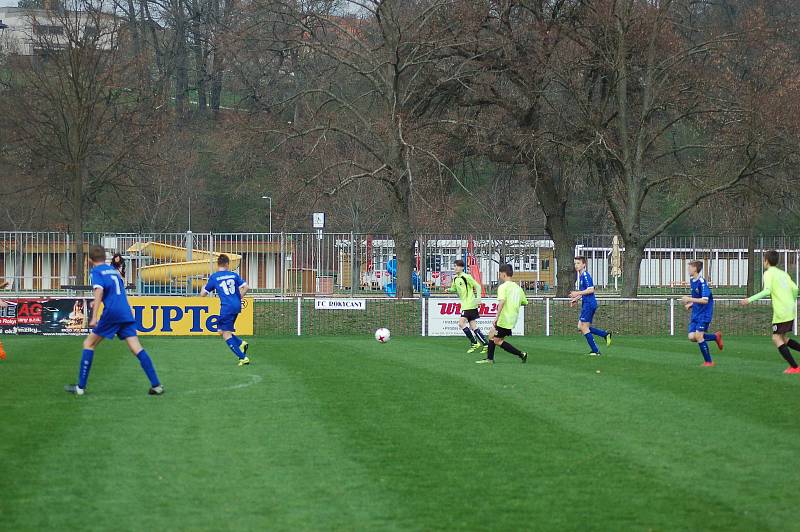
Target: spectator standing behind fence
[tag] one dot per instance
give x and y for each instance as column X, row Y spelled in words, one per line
column 119, row 264
column 3, row 285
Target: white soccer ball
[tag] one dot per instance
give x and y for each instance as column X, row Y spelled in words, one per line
column 382, row 335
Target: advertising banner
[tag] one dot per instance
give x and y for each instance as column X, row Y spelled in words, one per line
column 443, row 317
column 340, row 304
column 154, row 315
column 190, row 316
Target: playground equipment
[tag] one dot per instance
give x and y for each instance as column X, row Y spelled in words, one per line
column 176, row 270
column 391, row 287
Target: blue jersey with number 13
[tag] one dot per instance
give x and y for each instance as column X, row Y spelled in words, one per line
column 226, row 284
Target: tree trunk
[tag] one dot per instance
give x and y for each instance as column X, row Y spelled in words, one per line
column 558, row 229
column 181, row 67
column 752, row 261
column 631, row 267
column 77, row 222
column 404, row 240
column 198, row 50
column 554, row 207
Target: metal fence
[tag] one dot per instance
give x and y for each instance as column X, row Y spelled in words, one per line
column 544, row 316
column 289, row 264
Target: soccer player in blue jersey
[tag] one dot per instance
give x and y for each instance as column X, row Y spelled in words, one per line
column 585, row 293
column 230, row 288
column 116, row 320
column 701, row 303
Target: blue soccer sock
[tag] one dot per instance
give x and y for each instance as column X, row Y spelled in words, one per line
column 234, row 345
column 147, row 366
column 237, row 339
column 86, row 366
column 598, row 332
column 708, row 337
column 704, row 350
column 590, row 340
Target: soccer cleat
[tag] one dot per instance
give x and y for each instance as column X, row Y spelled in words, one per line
column 484, row 361
column 608, row 338
column 474, row 348
column 73, row 388
column 2, row 352
column 718, row 339
column 792, row 371
column 244, row 347
column 244, row 361
column 156, row 390
column 594, row 354
column 708, row 364
column 524, row 357
column 485, row 349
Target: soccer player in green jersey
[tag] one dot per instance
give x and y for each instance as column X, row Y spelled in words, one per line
column 469, row 293
column 783, row 292
column 510, row 298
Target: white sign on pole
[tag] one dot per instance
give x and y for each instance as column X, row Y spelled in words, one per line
column 319, row 220
column 443, row 317
column 340, row 304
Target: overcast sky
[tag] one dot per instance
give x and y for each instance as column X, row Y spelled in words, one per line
column 7, row 3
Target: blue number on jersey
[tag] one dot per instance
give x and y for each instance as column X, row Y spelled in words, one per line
column 226, row 284
column 115, row 303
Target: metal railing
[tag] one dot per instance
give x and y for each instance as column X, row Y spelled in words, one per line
column 290, row 264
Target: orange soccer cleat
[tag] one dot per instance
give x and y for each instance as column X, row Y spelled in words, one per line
column 2, row 352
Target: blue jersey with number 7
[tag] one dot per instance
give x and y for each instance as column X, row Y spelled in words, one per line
column 226, row 284
column 115, row 303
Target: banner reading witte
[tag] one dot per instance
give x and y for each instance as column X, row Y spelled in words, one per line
column 443, row 317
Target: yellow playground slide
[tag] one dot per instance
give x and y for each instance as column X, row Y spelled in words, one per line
column 175, row 269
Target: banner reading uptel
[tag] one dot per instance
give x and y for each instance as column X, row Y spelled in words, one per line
column 189, row 316
column 443, row 317
column 154, row 315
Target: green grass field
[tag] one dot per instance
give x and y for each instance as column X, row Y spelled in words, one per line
column 347, row 434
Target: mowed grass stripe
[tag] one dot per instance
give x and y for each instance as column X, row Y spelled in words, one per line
column 555, row 432
column 345, row 433
column 244, row 460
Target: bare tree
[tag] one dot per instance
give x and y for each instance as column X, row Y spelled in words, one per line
column 660, row 118
column 373, row 80
column 80, row 109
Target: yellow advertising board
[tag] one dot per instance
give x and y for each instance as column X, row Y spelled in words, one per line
column 184, row 316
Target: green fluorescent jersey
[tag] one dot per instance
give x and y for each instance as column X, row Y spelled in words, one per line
column 513, row 297
column 466, row 287
column 783, row 292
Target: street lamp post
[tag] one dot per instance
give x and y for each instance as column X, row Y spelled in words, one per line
column 270, row 211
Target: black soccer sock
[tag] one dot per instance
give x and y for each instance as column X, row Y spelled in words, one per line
column 468, row 334
column 511, row 349
column 479, row 335
column 793, row 344
column 490, row 353
column 787, row 355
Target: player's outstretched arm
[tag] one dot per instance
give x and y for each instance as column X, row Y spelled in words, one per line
column 98, row 300
column 243, row 289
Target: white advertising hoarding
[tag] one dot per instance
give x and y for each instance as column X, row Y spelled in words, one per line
column 443, row 317
column 340, row 304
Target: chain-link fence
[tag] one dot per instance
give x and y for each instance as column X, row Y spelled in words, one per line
column 544, row 316
column 290, row 264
